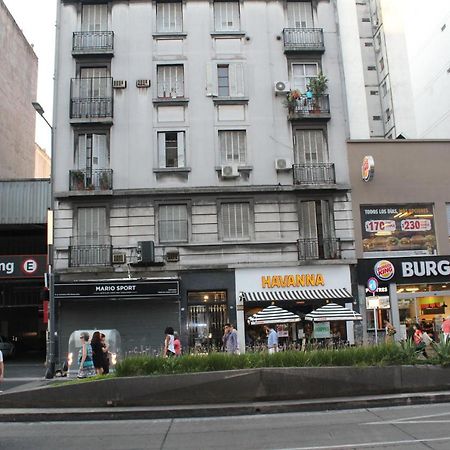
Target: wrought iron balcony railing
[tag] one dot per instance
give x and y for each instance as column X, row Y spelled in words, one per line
column 86, row 179
column 326, row 248
column 314, row 173
column 316, row 106
column 93, row 42
column 91, row 98
column 303, row 39
column 90, row 251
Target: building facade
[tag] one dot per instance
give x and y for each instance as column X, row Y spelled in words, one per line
column 18, row 78
column 180, row 161
column 402, row 229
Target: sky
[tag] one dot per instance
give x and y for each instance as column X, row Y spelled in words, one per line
column 36, row 19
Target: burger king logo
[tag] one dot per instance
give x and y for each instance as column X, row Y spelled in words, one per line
column 384, row 270
column 368, row 168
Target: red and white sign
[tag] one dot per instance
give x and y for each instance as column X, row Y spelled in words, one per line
column 415, row 225
column 384, row 270
column 372, row 226
column 29, row 266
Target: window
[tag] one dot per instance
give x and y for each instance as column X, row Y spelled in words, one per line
column 232, row 146
column 95, row 83
column 302, row 75
column 310, row 146
column 170, row 81
column 94, row 17
column 91, row 151
column 381, row 64
column 299, row 15
column 226, row 16
column 173, row 223
column 169, row 17
column 91, row 226
column 235, row 220
column 230, row 80
column 384, row 88
column 223, row 80
column 171, row 149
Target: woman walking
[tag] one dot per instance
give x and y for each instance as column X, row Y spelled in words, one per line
column 86, row 364
column 418, row 340
column 97, row 352
column 169, row 349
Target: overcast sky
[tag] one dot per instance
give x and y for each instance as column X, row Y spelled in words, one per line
column 37, row 20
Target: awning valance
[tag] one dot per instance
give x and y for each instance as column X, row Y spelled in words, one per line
column 304, row 294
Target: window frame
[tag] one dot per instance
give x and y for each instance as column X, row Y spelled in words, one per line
column 225, row 161
column 96, row 205
column 230, row 28
column 158, row 233
column 90, row 131
column 299, row 62
column 251, row 222
column 325, row 151
column 157, row 75
column 159, row 4
column 158, row 156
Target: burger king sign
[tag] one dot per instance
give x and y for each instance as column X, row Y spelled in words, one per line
column 367, row 168
column 384, row 270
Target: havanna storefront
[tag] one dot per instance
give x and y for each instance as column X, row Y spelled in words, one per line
column 298, row 289
column 410, row 290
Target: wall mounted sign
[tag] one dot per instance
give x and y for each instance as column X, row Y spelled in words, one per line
column 368, row 168
column 22, row 266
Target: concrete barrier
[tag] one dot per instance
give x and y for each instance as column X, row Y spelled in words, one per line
column 235, row 386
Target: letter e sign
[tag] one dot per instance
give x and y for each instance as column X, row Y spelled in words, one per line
column 29, row 266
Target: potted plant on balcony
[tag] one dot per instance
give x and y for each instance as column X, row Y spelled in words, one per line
column 292, row 100
column 78, row 179
column 104, row 181
column 318, row 86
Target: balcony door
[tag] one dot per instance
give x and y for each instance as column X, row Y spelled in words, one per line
column 94, row 18
column 310, row 147
column 302, row 73
column 92, row 155
column 299, row 15
column 91, row 226
column 94, row 82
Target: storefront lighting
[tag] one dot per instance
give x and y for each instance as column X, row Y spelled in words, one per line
column 206, row 298
column 444, row 285
column 413, row 289
column 399, row 291
column 423, row 215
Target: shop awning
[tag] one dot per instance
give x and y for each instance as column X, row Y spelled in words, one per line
column 273, row 314
column 332, row 312
column 304, row 294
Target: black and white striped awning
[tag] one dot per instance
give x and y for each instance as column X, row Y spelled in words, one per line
column 332, row 312
column 273, row 314
column 304, row 294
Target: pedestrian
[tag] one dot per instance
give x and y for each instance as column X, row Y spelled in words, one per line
column 272, row 339
column 445, row 327
column 309, row 96
column 176, row 344
column 105, row 349
column 390, row 331
column 86, row 364
column 97, row 352
column 2, row 367
column 169, row 348
column 231, row 341
column 418, row 340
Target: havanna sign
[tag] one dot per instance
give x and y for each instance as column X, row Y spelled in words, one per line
column 296, row 281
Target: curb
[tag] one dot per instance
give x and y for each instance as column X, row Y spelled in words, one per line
column 219, row 410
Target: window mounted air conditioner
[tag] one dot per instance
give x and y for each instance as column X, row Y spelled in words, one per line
column 282, row 164
column 119, row 258
column 143, row 83
column 230, row 171
column 119, row 84
column 172, row 256
column 282, row 87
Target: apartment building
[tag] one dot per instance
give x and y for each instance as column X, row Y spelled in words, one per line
column 185, row 177
column 18, row 86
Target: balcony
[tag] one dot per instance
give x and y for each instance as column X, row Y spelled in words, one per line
column 314, row 248
column 85, row 251
column 89, row 180
column 303, row 40
column 317, row 107
column 93, row 43
column 91, row 100
column 314, row 174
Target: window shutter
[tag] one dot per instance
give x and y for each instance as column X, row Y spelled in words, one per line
column 308, row 220
column 91, row 226
column 162, row 149
column 94, row 18
column 181, row 149
column 326, row 220
column 99, row 151
column 300, row 15
column 236, row 74
column 211, row 80
column 81, row 152
column 226, row 16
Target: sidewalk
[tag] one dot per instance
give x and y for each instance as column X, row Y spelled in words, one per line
column 218, row 410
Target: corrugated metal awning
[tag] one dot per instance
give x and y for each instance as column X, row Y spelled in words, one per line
column 304, row 294
column 24, row 201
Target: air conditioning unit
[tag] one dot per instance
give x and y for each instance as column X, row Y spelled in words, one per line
column 119, row 258
column 282, row 164
column 143, row 83
column 172, row 256
column 282, row 87
column 230, row 171
column 119, row 84
column 146, row 252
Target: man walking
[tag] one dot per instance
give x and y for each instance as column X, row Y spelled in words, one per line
column 272, row 339
column 446, row 329
column 230, row 342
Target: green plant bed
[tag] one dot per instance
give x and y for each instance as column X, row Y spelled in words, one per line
column 381, row 355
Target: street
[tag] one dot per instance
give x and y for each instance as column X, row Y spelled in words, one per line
column 410, row 427
column 22, row 370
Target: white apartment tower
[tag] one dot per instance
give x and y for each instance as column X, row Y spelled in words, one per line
column 188, row 193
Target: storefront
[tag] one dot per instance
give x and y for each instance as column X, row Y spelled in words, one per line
column 298, row 289
column 410, row 290
column 140, row 309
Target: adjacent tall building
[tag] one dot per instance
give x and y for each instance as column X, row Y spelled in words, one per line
column 18, row 85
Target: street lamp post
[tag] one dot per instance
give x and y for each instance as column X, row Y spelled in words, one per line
column 51, row 347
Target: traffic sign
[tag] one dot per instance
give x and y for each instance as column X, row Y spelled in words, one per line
column 372, row 284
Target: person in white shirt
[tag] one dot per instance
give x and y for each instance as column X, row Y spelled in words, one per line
column 2, row 367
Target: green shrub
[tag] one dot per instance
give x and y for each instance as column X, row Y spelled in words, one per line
column 442, row 349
